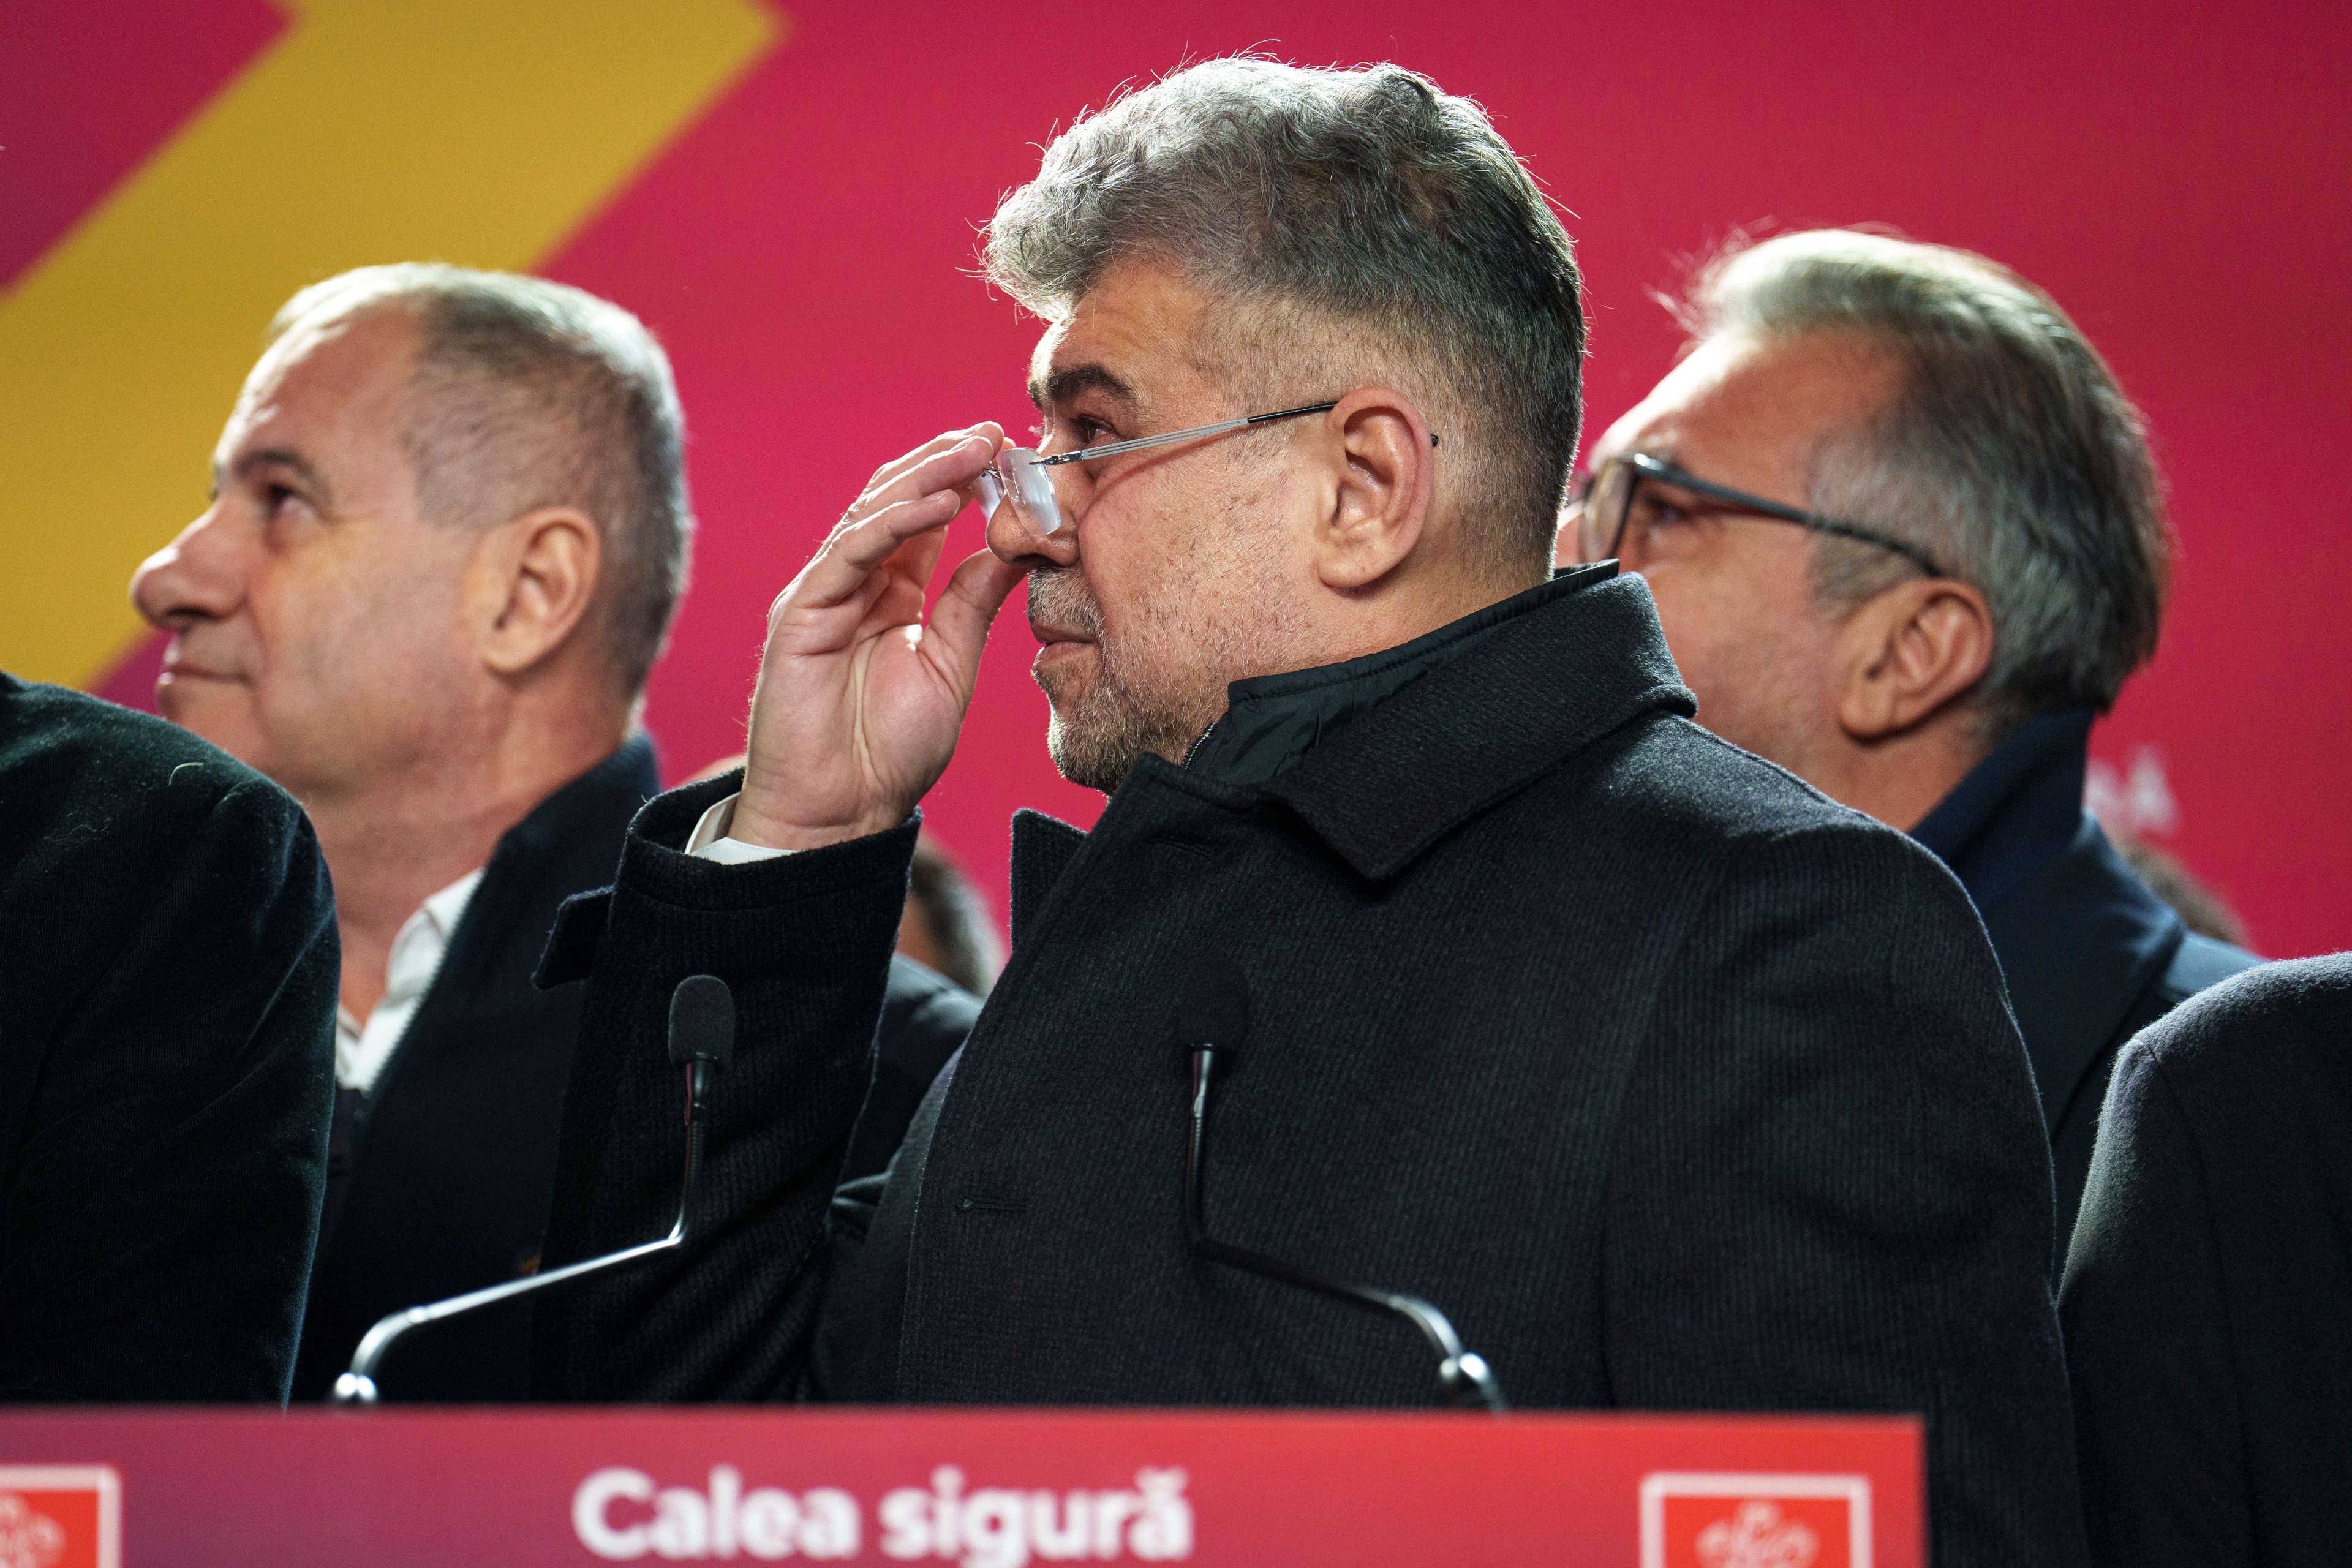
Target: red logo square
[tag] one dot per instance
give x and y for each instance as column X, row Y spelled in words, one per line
column 60, row 1516
column 1701, row 1521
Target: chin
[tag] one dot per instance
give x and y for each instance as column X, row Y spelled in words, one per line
column 1086, row 760
column 218, row 711
column 1065, row 683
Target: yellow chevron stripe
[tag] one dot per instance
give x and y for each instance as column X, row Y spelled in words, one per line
column 479, row 132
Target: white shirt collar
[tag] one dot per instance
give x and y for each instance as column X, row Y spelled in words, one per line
column 361, row 1050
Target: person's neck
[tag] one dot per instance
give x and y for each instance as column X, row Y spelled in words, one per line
column 1431, row 601
column 1900, row 779
column 395, row 842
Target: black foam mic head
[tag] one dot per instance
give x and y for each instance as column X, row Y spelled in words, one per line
column 1212, row 1007
column 702, row 1021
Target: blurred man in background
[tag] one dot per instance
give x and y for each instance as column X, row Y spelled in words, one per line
column 2201, row 909
column 1907, row 541
column 947, row 927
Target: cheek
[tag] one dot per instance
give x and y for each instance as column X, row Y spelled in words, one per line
column 1719, row 628
column 304, row 623
column 1123, row 553
column 342, row 643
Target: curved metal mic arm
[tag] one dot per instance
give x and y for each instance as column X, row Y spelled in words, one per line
column 1463, row 1375
column 357, row 1387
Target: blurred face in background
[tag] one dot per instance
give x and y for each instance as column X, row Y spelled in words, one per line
column 313, row 611
column 1735, row 591
column 1179, row 569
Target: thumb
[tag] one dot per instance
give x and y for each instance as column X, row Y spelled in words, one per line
column 967, row 607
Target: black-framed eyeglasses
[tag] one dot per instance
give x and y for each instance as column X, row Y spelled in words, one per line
column 1602, row 504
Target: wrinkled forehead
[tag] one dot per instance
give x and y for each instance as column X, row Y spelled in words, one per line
column 1133, row 337
column 323, row 371
column 1781, row 392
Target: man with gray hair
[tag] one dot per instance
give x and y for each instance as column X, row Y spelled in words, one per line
column 1907, row 541
column 1533, row 1023
column 448, row 529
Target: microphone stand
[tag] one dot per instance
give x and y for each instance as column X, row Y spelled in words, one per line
column 1464, row 1378
column 688, row 1009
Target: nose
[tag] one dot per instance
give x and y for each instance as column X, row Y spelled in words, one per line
column 199, row 576
column 1016, row 538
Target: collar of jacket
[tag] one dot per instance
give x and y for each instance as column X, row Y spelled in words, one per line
column 571, row 840
column 2016, row 810
column 1272, row 720
column 1525, row 683
column 2080, row 938
column 581, row 821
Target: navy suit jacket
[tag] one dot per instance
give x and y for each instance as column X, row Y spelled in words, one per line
column 2091, row 955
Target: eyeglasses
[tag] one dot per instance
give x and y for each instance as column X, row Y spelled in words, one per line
column 1019, row 474
column 1603, row 501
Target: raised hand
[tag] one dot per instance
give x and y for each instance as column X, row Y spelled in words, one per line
column 859, row 700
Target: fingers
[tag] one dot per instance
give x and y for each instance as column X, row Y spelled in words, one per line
column 881, row 540
column 959, row 626
column 857, row 549
column 891, row 477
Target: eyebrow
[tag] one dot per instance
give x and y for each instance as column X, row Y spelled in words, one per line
column 1074, row 381
column 275, row 458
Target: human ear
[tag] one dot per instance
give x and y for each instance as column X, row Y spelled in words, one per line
column 530, row 581
column 1383, row 472
column 1911, row 651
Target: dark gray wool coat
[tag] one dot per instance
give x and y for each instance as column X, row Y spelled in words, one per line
column 168, row 962
column 1678, row 1086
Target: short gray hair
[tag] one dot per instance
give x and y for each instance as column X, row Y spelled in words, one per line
column 1362, row 198
column 2010, row 454
column 533, row 394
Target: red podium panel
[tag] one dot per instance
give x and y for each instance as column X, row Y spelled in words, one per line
column 995, row 1489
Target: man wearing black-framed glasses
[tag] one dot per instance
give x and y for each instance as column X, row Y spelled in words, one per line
column 1906, row 541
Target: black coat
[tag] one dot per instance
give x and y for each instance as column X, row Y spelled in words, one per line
column 2091, row 956
column 442, row 1176
column 167, row 1038
column 2207, row 1304
column 1678, row 1086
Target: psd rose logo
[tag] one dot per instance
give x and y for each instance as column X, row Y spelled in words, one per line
column 28, row 1540
column 60, row 1516
column 1703, row 1521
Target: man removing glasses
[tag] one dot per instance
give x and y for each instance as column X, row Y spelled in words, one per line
column 1432, row 995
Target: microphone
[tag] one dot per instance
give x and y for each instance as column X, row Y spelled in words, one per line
column 1211, row 1021
column 701, row 1037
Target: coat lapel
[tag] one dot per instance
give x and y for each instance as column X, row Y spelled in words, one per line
column 1043, row 848
column 1535, row 689
column 2079, row 949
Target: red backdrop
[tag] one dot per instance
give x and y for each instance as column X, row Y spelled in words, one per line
column 2173, row 175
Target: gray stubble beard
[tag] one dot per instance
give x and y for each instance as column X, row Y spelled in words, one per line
column 1098, row 735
